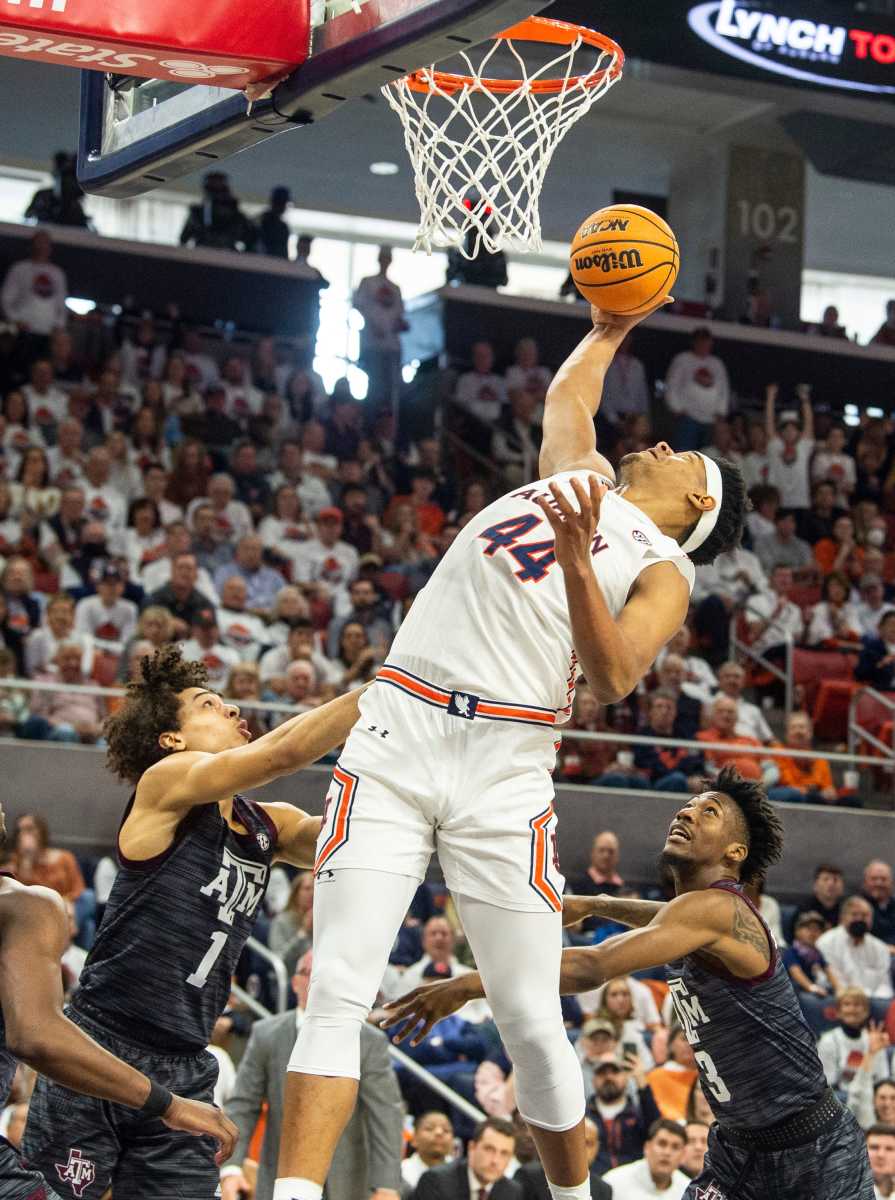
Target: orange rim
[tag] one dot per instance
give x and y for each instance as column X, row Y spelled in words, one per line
column 533, row 29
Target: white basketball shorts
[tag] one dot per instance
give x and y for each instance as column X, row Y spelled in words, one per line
column 426, row 769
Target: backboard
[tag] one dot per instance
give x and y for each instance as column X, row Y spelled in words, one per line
column 137, row 134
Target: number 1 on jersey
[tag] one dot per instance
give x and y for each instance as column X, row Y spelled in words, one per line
column 199, row 977
column 534, row 558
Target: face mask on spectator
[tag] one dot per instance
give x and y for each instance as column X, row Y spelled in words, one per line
column 857, row 929
column 876, row 537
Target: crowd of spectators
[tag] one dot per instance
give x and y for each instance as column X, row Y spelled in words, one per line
column 153, row 492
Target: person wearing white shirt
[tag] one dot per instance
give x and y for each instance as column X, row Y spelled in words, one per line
column 34, row 290
column 205, row 647
column 157, row 574
column 832, row 464
column 835, row 616
column 299, row 644
column 755, row 464
column 480, row 391
column 881, row 1153
column 528, row 373
column 242, row 398
column 698, row 672
column 311, row 490
column 240, row 630
column 733, row 576
column 858, row 958
column 47, row 404
column 107, row 617
column 849, row 1049
column 232, row 519
column 326, row 558
column 772, row 617
column 102, row 502
column 66, row 458
column 790, row 451
column 697, row 390
column 658, row 1172
column 871, row 604
column 379, row 302
column 155, row 481
column 432, row 1141
column 625, row 387
column 750, row 719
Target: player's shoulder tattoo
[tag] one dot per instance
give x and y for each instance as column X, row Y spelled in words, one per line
column 748, row 929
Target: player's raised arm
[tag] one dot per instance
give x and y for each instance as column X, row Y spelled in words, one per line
column 187, row 779
column 614, row 653
column 691, row 922
column 32, row 940
column 574, row 396
column 633, row 913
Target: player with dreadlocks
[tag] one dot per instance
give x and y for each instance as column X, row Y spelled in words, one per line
column 195, row 858
column 780, row 1133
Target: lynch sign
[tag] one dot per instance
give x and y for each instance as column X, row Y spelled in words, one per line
column 798, row 46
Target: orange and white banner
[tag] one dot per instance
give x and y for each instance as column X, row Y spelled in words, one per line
column 203, row 41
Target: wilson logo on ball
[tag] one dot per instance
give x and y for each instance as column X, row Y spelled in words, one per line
column 625, row 260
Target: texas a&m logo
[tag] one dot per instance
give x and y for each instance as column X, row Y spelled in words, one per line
column 689, row 1011
column 78, row 1172
column 238, row 885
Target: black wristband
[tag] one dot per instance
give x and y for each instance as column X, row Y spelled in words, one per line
column 157, row 1102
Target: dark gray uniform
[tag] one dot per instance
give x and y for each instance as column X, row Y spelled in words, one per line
column 780, row 1133
column 16, row 1181
column 155, row 982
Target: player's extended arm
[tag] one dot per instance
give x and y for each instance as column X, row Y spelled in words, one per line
column 633, row 913
column 33, row 939
column 186, row 779
column 574, row 396
column 298, row 833
column 614, row 654
column 688, row 923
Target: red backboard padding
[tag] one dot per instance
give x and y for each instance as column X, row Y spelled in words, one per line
column 205, row 41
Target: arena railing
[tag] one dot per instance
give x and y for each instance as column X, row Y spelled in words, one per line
column 859, row 734
column 279, row 969
column 849, row 759
column 784, row 674
column 398, row 1057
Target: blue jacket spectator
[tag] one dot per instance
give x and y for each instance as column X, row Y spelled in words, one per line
column 876, row 664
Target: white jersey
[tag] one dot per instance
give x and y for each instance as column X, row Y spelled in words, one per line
column 494, row 620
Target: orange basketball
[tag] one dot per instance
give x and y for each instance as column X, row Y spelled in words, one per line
column 624, row 259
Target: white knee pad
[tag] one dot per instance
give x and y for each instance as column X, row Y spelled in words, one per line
column 328, row 1041
column 547, row 1074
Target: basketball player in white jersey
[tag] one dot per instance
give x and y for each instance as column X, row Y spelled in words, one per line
column 455, row 747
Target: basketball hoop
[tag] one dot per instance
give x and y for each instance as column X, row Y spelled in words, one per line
column 480, row 146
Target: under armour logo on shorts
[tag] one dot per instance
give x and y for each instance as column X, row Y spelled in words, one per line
column 461, row 704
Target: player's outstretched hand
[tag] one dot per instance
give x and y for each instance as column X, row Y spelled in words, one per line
column 574, row 529
column 617, row 325
column 202, row 1120
column 424, row 1007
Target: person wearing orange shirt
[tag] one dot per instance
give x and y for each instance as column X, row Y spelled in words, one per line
column 34, row 861
column 723, row 724
column 672, row 1083
column 430, row 515
column 811, row 777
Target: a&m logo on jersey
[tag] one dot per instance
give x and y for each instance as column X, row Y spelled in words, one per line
column 689, row 1011
column 712, row 1192
column 78, row 1172
column 263, row 842
column 239, row 886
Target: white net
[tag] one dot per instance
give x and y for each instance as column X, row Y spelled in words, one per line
column 480, row 150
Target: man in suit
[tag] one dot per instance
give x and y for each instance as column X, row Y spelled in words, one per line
column 533, row 1181
column 480, row 1175
column 367, row 1163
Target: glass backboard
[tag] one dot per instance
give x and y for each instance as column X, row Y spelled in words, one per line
column 137, row 134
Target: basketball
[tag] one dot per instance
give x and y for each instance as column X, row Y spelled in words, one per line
column 624, row 259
